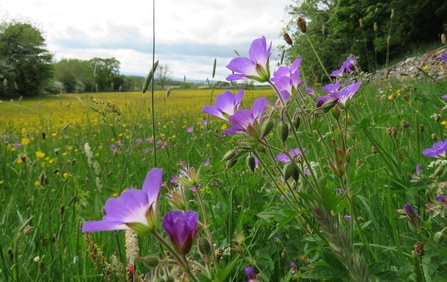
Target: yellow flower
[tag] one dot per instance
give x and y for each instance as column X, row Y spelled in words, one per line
column 174, row 136
column 40, row 154
column 64, row 153
column 224, row 126
column 115, row 195
column 441, row 67
column 66, row 175
column 444, row 122
column 37, row 183
column 19, row 160
column 425, row 68
column 25, row 141
column 54, row 134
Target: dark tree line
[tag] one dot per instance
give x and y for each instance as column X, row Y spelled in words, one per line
column 374, row 31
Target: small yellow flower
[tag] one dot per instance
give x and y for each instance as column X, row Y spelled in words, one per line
column 224, row 126
column 40, row 154
column 19, row 160
column 97, row 154
column 115, row 195
column 64, row 153
column 25, row 141
column 66, row 175
column 425, row 68
column 441, row 67
column 174, row 136
column 54, row 134
column 444, row 122
column 37, row 183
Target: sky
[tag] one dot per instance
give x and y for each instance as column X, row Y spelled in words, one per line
column 189, row 35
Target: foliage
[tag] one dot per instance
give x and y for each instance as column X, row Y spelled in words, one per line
column 25, row 63
column 106, row 73
column 340, row 28
column 76, row 75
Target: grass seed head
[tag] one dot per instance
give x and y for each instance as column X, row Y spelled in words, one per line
column 301, row 23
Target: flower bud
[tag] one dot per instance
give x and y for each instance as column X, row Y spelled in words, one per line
column 230, row 164
column 267, row 126
column 296, row 121
column 439, row 237
column 251, row 163
column 204, row 246
column 283, row 131
column 290, row 170
column 229, row 155
column 151, row 261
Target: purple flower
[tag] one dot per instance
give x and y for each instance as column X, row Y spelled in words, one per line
column 255, row 67
column 206, row 163
column 150, row 139
column 16, row 144
column 340, row 191
column 139, row 140
column 174, row 179
column 444, row 96
column 133, row 209
column 121, row 142
column 412, row 214
column 113, row 148
column 190, row 129
column 437, row 151
column 347, row 217
column 294, row 153
column 293, row 264
column 247, row 121
column 204, row 122
column 338, row 97
column 441, row 199
column 251, row 274
column 310, row 91
column 286, row 79
column 444, row 57
column 181, row 229
column 226, row 105
column 418, row 169
column 348, row 66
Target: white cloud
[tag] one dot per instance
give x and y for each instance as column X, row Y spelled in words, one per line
column 189, row 34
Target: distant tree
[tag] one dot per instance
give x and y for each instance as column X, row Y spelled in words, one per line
column 105, row 70
column 25, row 62
column 162, row 74
column 76, row 75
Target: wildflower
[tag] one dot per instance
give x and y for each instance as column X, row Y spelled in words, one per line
column 310, row 91
column 441, row 199
column 25, row 141
column 294, row 153
column 286, row 79
column 412, row 214
column 248, row 121
column 206, row 163
column 190, row 129
column 113, row 148
column 348, row 66
column 444, row 57
column 341, row 97
column 251, row 274
column 255, row 67
column 437, row 151
column 40, row 154
column 133, row 209
column 181, row 229
column 347, row 217
column 226, row 105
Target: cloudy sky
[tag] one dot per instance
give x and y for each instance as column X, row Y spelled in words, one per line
column 189, row 34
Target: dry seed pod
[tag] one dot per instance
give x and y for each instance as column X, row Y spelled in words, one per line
column 287, row 38
column 301, row 23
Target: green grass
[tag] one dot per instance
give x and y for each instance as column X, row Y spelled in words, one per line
column 255, row 219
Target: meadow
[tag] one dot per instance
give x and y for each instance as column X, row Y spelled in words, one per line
column 359, row 199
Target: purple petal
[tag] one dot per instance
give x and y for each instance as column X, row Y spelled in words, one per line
column 152, row 184
column 259, row 107
column 214, row 111
column 94, row 226
column 258, row 51
column 245, row 66
column 336, row 73
column 130, row 206
column 444, row 57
